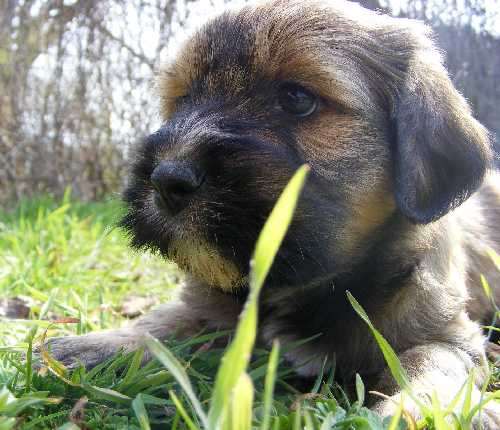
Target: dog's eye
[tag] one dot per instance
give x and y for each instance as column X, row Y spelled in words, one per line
column 182, row 99
column 296, row 100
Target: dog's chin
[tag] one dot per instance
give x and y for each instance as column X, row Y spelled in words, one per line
column 181, row 239
column 201, row 261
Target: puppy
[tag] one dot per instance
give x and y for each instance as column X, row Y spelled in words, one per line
column 394, row 209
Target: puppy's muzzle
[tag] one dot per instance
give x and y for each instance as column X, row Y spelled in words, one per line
column 175, row 183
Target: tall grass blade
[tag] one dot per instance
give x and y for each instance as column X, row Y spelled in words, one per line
column 67, row 426
column 319, row 379
column 172, row 364
column 487, row 398
column 396, row 419
column 391, row 358
column 185, row 416
column 235, row 360
column 107, row 394
column 240, row 411
column 360, row 390
column 297, row 418
column 133, row 368
column 140, row 412
column 486, row 287
column 494, row 256
column 269, row 385
column 438, row 416
column 275, row 228
column 469, row 387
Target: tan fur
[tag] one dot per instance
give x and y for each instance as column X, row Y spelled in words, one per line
column 205, row 264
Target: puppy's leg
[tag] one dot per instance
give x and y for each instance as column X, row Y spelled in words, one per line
column 93, row 348
column 205, row 309
column 437, row 368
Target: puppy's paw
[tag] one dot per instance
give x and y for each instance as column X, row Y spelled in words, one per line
column 91, row 349
column 488, row 419
column 389, row 407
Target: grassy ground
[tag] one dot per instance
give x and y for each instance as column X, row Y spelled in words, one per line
column 67, row 264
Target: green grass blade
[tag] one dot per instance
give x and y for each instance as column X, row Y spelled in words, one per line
column 360, row 390
column 308, row 420
column 133, row 368
column 487, row 398
column 107, row 394
column 494, row 256
column 67, row 426
column 16, row 321
column 391, row 358
column 269, row 384
column 319, row 379
column 297, row 417
column 233, row 363
column 7, row 423
column 438, row 416
column 469, row 387
column 235, row 360
column 11, row 406
column 328, row 422
column 185, row 416
column 275, row 228
column 140, row 412
column 486, row 287
column 396, row 419
column 165, row 357
column 240, row 415
column 29, row 365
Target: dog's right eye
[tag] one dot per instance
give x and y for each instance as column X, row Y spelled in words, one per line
column 182, row 99
column 296, row 100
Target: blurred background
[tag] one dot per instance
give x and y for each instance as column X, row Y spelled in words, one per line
column 77, row 89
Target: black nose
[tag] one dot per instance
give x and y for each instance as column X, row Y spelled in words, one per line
column 175, row 182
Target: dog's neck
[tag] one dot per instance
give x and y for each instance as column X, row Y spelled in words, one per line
column 322, row 308
column 372, row 276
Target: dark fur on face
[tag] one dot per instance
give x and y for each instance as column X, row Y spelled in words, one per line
column 391, row 140
column 386, row 212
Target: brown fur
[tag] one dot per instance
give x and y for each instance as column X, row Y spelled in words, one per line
column 395, row 155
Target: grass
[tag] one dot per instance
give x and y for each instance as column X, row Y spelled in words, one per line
column 75, row 271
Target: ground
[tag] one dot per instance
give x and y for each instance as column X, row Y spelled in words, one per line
column 66, row 269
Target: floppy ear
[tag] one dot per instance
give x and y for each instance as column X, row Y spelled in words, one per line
column 440, row 152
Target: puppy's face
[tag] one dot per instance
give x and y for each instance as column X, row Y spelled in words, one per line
column 361, row 98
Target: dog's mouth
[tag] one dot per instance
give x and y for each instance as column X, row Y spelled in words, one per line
column 188, row 236
column 204, row 213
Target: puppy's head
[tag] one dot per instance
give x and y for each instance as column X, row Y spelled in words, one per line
column 362, row 98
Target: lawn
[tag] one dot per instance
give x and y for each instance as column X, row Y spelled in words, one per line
column 74, row 273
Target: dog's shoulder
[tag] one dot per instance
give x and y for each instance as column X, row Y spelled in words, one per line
column 479, row 217
column 489, row 193
column 476, row 224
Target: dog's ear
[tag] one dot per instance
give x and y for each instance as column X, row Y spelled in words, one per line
column 440, row 152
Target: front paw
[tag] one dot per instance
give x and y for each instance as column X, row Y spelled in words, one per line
column 487, row 419
column 91, row 349
column 389, row 407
